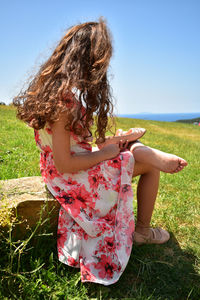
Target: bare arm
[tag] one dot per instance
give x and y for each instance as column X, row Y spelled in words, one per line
column 65, row 162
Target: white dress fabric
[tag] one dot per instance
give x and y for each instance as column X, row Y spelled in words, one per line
column 96, row 222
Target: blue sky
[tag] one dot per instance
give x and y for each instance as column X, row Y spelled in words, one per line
column 156, row 61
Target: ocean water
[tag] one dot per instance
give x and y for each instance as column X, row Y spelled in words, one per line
column 162, row 117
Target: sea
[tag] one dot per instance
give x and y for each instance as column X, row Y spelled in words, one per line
column 168, row 117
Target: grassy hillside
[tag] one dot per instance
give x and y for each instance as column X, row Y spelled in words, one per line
column 189, row 120
column 170, row 271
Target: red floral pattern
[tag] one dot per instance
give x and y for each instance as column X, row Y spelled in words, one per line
column 96, row 223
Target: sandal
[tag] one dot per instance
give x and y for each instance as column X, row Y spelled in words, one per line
column 155, row 236
column 136, row 132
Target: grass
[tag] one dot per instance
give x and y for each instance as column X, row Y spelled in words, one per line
column 29, row 269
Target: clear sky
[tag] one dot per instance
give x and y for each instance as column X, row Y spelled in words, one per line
column 156, row 61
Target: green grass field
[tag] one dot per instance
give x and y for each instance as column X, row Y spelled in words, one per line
column 30, row 270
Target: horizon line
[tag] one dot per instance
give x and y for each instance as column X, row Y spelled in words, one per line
column 158, row 113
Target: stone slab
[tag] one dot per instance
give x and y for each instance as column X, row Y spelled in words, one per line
column 27, row 200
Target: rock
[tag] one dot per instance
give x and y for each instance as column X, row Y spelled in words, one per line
column 26, row 203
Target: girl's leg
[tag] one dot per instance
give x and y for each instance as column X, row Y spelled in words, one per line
column 162, row 161
column 147, row 190
column 148, row 164
column 146, row 195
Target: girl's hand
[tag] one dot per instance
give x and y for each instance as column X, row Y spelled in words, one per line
column 123, row 145
column 112, row 140
column 112, row 150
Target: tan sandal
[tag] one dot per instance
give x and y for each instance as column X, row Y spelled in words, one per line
column 155, row 236
column 133, row 133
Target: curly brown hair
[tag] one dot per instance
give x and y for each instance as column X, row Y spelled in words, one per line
column 79, row 61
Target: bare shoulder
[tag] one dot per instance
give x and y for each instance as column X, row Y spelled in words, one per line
column 60, row 139
column 61, row 122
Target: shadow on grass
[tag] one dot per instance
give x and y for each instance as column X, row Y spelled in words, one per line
column 156, row 272
column 153, row 272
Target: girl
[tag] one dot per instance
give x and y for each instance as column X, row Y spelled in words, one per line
column 96, row 224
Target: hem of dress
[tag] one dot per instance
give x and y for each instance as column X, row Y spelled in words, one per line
column 65, row 263
column 102, row 282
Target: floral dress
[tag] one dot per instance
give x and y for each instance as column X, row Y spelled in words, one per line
column 96, row 222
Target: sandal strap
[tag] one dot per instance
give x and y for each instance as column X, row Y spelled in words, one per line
column 155, row 236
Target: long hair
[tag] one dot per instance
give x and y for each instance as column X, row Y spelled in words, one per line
column 79, row 61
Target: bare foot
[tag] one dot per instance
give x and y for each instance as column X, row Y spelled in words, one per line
column 171, row 163
column 165, row 162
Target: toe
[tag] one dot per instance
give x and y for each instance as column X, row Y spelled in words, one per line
column 182, row 162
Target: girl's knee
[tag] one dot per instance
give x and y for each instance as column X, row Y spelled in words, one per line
column 135, row 145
